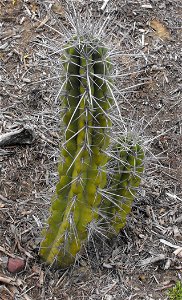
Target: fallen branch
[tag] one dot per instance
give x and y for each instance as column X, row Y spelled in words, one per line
column 19, row 137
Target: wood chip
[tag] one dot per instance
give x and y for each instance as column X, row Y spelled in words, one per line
column 21, row 136
column 151, row 260
column 7, row 280
column 169, row 244
column 178, row 252
column 160, row 30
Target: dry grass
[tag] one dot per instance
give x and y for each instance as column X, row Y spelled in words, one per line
column 140, row 263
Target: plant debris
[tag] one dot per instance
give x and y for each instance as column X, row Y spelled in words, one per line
column 148, row 39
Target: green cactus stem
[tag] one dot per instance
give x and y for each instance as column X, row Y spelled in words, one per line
column 127, row 168
column 86, row 101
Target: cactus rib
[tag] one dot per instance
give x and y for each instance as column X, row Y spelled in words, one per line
column 82, row 171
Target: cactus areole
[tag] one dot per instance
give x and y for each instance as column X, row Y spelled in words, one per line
column 87, row 105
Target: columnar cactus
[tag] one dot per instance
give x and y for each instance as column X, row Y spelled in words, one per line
column 125, row 169
column 87, row 103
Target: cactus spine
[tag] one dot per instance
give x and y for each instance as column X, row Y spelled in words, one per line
column 82, row 171
column 127, row 168
column 87, row 103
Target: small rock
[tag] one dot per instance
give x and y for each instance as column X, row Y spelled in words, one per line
column 26, row 80
column 15, row 265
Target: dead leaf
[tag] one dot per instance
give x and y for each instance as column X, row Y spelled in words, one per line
column 58, row 9
column 160, row 29
column 34, row 8
column 142, row 277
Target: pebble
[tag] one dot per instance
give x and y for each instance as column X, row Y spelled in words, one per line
column 15, row 265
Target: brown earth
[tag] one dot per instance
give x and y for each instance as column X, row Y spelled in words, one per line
column 140, row 263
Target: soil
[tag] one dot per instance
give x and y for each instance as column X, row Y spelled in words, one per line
column 141, row 262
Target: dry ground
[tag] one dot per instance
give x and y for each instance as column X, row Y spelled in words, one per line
column 140, row 263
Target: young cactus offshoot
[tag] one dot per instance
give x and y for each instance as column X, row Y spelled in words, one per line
column 86, row 186
column 125, row 169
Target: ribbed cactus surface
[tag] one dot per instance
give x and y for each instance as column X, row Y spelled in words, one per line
column 126, row 166
column 84, row 178
column 85, row 101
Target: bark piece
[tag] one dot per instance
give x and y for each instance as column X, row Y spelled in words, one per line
column 21, row 136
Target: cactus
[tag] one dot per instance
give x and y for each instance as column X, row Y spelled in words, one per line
column 86, row 100
column 126, row 165
column 88, row 104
